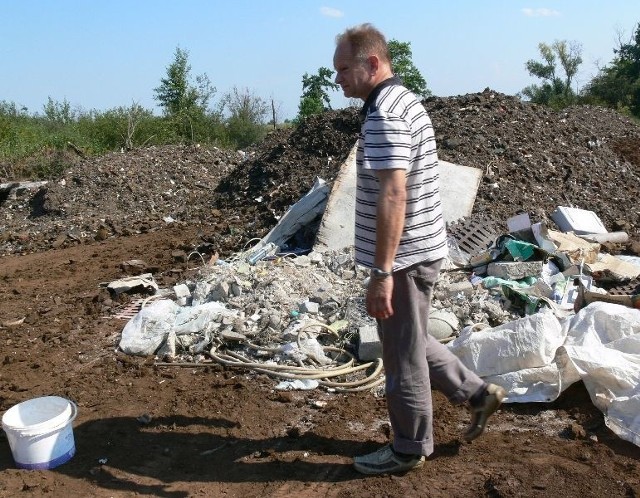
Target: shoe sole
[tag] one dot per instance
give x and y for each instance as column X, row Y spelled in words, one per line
column 363, row 469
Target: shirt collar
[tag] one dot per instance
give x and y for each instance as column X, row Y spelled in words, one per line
column 394, row 80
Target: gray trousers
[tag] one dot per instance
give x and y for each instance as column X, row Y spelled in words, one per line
column 414, row 361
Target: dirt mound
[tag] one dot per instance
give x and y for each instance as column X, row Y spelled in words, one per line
column 533, row 159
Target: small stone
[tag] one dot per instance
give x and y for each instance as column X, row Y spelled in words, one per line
column 585, row 456
column 302, row 261
column 145, row 419
column 285, row 396
column 236, row 289
column 220, row 292
column 59, row 241
column 179, row 256
column 576, row 431
column 102, row 234
column 309, row 307
column 274, row 320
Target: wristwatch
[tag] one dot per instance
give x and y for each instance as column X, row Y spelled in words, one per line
column 379, row 274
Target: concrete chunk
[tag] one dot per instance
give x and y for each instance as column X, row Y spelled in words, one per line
column 181, row 290
column 309, row 307
column 220, row 292
column 369, row 345
column 465, row 288
column 514, row 270
column 183, row 294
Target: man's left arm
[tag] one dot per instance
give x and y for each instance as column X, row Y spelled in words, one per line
column 390, row 219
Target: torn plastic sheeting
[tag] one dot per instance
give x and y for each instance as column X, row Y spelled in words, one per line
column 309, row 347
column 601, row 347
column 149, row 329
column 607, row 358
column 297, row 216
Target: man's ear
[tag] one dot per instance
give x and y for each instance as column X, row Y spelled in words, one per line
column 374, row 63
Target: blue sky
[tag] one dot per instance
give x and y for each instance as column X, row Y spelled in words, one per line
column 104, row 54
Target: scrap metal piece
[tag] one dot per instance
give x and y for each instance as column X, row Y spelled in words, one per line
column 474, row 235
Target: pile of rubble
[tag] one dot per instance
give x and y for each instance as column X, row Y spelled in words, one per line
column 534, row 158
column 251, row 316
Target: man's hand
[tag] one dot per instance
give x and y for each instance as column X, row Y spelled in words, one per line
column 379, row 298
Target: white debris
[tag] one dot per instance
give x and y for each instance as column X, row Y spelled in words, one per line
column 297, row 385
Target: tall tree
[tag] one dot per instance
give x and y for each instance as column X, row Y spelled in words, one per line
column 247, row 115
column 315, row 97
column 182, row 98
column 555, row 89
column 618, row 84
column 403, row 67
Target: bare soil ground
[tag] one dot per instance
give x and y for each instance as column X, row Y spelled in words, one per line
column 211, row 431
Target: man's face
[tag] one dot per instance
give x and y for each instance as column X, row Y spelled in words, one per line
column 353, row 75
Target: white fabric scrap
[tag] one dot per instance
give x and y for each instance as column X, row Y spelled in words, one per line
column 530, row 342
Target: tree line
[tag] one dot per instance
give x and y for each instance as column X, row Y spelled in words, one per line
column 617, row 84
column 31, row 145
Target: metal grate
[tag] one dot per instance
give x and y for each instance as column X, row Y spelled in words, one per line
column 629, row 289
column 474, row 236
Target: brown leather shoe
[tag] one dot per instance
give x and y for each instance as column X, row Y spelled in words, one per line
column 491, row 400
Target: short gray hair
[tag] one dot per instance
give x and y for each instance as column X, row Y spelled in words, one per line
column 365, row 40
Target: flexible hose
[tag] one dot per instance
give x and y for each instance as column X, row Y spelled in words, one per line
column 232, row 359
column 322, row 373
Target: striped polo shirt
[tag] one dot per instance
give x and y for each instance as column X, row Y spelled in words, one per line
column 397, row 133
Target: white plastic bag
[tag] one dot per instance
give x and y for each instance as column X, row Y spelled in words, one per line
column 146, row 331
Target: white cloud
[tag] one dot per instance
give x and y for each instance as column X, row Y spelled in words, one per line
column 540, row 12
column 331, row 12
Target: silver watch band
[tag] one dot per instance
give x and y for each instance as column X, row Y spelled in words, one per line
column 379, row 274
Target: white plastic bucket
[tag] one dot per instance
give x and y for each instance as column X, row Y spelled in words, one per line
column 40, row 433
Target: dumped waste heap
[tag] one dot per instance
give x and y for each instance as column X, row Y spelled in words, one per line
column 205, row 428
column 533, row 159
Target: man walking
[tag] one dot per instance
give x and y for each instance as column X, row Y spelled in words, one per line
column 400, row 235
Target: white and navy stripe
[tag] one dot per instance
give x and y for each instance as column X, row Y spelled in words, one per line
column 397, row 134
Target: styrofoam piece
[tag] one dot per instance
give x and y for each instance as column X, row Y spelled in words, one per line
column 576, row 220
